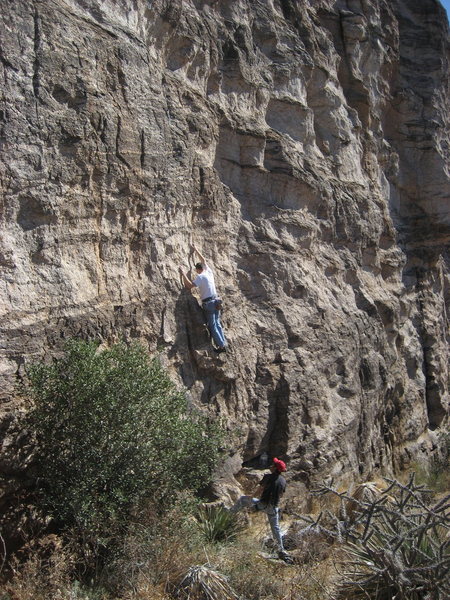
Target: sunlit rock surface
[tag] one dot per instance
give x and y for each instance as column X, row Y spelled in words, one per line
column 303, row 146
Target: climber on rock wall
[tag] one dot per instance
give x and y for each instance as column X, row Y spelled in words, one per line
column 211, row 303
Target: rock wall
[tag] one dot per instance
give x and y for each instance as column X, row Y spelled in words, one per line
column 302, row 145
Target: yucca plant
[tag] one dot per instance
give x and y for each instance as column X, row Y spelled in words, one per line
column 203, row 583
column 217, row 524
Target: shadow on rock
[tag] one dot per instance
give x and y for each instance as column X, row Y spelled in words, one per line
column 193, row 345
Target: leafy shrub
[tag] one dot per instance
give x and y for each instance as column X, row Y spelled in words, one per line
column 111, row 428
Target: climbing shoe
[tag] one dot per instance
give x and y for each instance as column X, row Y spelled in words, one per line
column 286, row 558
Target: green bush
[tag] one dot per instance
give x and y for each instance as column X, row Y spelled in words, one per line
column 110, row 429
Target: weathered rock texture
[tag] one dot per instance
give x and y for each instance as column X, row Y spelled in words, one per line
column 302, row 145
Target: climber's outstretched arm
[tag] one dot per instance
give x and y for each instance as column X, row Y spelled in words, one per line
column 185, row 279
column 200, row 255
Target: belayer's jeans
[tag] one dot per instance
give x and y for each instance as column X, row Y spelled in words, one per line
column 214, row 324
column 272, row 512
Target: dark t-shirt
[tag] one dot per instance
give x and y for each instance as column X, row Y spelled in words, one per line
column 273, row 487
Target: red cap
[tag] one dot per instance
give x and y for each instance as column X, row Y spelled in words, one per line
column 279, row 465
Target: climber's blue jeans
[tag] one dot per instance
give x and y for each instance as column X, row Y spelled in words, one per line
column 272, row 512
column 214, row 324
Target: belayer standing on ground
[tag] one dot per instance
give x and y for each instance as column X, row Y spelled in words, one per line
column 270, row 490
column 208, row 295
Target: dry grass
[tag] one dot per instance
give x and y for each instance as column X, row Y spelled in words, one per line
column 48, row 576
column 248, row 576
column 45, row 575
column 156, row 556
column 145, row 590
column 256, row 578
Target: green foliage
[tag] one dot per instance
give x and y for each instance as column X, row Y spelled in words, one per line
column 110, row 429
column 217, row 524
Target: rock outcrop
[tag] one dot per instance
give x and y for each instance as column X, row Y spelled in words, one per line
column 302, row 145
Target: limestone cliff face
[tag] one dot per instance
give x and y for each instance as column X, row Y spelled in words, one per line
column 302, row 145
